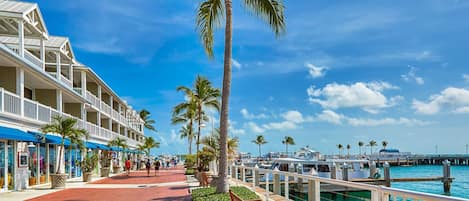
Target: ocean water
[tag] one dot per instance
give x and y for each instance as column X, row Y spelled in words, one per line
column 459, row 187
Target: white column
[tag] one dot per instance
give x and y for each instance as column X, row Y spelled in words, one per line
column 21, row 38
column 59, row 100
column 70, row 74
column 99, row 93
column 5, row 169
column 47, row 163
column 42, row 53
column 83, row 83
column 83, row 114
column 112, row 111
column 38, row 163
column 20, row 87
column 59, row 68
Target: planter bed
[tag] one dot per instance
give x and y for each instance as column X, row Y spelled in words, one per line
column 209, row 194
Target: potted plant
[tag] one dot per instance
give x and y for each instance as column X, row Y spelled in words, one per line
column 105, row 163
column 87, row 165
column 119, row 143
column 66, row 128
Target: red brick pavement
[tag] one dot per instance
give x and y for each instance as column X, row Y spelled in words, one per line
column 164, row 193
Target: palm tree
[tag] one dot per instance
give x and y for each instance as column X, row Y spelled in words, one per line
column 372, row 143
column 120, row 143
column 259, row 141
column 348, row 150
column 149, row 144
column 203, row 96
column 186, row 132
column 288, row 141
column 66, row 128
column 340, row 147
column 212, row 143
column 142, row 148
column 185, row 113
column 360, row 145
column 385, row 144
column 209, row 16
column 145, row 116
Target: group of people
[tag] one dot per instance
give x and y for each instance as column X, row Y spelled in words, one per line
column 148, row 165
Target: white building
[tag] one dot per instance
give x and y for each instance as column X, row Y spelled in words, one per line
column 40, row 78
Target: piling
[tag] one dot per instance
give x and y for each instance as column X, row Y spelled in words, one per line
column 387, row 175
column 372, row 169
column 256, row 176
column 446, row 176
column 345, row 168
column 276, row 181
column 333, row 171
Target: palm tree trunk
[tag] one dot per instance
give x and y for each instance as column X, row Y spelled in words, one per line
column 60, row 157
column 189, row 141
column 286, row 145
column 260, row 154
column 222, row 185
column 199, row 111
column 190, row 136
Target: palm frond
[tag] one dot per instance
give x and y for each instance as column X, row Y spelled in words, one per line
column 209, row 17
column 271, row 11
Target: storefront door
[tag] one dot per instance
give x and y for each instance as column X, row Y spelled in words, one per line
column 3, row 166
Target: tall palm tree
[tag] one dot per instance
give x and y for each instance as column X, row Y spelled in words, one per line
column 348, row 150
column 66, row 128
column 142, row 148
column 145, row 116
column 385, row 144
column 212, row 143
column 287, row 140
column 209, row 16
column 204, row 95
column 186, row 132
column 186, row 113
column 120, row 143
column 149, row 144
column 259, row 141
column 372, row 143
column 360, row 145
column 340, row 147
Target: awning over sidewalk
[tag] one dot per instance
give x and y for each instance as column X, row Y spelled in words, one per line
column 16, row 134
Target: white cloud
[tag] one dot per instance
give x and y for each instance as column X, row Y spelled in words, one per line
column 367, row 96
column 284, row 125
column 234, row 130
column 236, row 64
column 330, row 116
column 247, row 115
column 465, row 77
column 334, row 118
column 316, row 71
column 175, row 138
column 454, row 99
column 411, row 76
column 254, row 127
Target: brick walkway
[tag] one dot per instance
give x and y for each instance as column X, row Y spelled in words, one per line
column 168, row 185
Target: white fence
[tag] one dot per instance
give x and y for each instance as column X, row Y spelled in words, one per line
column 315, row 184
column 66, row 81
column 11, row 103
column 93, row 99
column 105, row 108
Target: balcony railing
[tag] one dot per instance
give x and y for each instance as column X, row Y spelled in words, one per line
column 33, row 59
column 105, row 108
column 93, row 99
column 66, row 81
column 10, row 103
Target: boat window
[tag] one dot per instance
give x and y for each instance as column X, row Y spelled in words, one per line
column 323, row 168
column 308, row 167
column 283, row 167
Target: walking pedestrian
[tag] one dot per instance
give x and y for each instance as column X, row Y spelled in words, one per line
column 148, row 166
column 167, row 164
column 128, row 164
column 157, row 166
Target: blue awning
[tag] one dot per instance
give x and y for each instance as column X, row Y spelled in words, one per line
column 93, row 145
column 16, row 134
column 53, row 139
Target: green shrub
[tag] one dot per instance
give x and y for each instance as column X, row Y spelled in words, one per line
column 209, row 194
column 189, row 171
column 189, row 161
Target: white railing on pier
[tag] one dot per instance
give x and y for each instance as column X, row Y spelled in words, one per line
column 105, row 108
column 11, row 103
column 93, row 99
column 66, row 81
column 33, row 59
column 378, row 193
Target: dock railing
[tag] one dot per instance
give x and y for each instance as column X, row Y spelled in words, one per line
column 315, row 185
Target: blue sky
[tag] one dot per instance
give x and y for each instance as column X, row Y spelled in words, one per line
column 343, row 72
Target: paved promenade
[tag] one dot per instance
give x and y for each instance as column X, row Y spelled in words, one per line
column 166, row 185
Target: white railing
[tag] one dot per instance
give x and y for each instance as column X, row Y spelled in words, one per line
column 33, row 59
column 378, row 193
column 93, row 99
column 30, row 109
column 78, row 90
column 115, row 115
column 44, row 113
column 66, row 81
column 123, row 120
column 105, row 108
column 93, row 130
column 11, row 103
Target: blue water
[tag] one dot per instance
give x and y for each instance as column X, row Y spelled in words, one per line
column 459, row 187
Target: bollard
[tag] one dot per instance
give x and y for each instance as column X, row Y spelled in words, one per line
column 333, row 171
column 446, row 176
column 387, row 175
column 242, row 172
column 286, row 188
column 267, row 188
column 372, row 169
column 345, row 168
column 276, row 181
